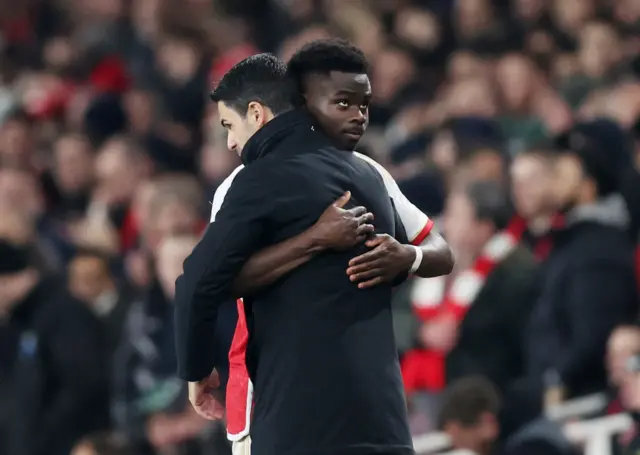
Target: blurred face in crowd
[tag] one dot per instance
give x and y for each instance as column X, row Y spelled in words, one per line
column 570, row 187
column 465, row 233
column 418, row 27
column 392, row 70
column 118, row 172
column 340, row 102
column 89, row 278
column 240, row 127
column 73, row 164
column 20, row 191
column 15, row 143
column 464, row 65
column 514, row 75
column 179, row 59
column 472, row 97
column 473, row 16
column 529, row 10
column 444, row 151
column 171, row 254
column 140, row 110
column 530, row 183
column 477, row 437
column 623, row 343
column 570, row 15
column 599, row 48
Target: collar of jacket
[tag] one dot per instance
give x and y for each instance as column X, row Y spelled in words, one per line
column 271, row 134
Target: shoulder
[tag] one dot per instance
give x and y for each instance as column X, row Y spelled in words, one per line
column 222, row 190
column 375, row 165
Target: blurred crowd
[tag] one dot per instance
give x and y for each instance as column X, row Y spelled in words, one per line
column 515, row 125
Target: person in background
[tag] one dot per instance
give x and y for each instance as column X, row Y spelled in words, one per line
column 471, row 321
column 623, row 344
column 531, row 179
column 91, row 281
column 151, row 407
column 588, row 284
column 55, row 368
column 631, row 391
column 471, row 417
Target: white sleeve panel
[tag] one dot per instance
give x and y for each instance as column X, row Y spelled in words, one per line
column 221, row 192
column 415, row 222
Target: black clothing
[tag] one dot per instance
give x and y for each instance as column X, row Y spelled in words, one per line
column 588, row 288
column 490, row 341
column 321, row 351
column 58, row 382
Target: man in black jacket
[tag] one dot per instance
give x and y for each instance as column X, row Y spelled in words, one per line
column 321, row 351
column 54, row 377
column 588, row 282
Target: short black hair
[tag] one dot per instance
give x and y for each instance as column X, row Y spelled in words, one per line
column 467, row 399
column 326, row 55
column 490, row 202
column 261, row 78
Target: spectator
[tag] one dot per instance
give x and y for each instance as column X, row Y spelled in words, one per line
column 150, row 401
column 473, row 325
column 57, row 377
column 588, row 283
column 531, row 181
column 470, row 415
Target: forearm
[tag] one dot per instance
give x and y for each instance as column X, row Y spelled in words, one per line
column 272, row 263
column 437, row 259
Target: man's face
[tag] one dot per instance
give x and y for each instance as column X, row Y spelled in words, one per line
column 240, row 128
column 530, row 183
column 568, row 178
column 340, row 103
column 464, row 232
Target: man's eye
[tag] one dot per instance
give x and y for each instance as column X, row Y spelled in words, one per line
column 343, row 103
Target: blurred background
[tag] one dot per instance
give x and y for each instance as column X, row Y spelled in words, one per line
column 110, row 152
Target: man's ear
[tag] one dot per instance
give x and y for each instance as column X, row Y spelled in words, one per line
column 258, row 114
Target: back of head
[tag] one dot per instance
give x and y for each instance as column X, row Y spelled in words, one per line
column 260, row 78
column 467, row 399
column 469, row 414
column 490, row 202
column 324, row 56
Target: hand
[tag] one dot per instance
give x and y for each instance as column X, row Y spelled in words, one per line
column 383, row 263
column 207, row 397
column 440, row 334
column 340, row 229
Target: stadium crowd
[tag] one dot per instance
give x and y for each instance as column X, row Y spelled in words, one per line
column 514, row 125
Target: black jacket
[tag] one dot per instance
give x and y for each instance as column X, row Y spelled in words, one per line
column 321, row 351
column 588, row 288
column 491, row 341
column 58, row 385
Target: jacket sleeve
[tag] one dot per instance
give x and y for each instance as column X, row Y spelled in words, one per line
column 598, row 300
column 209, row 271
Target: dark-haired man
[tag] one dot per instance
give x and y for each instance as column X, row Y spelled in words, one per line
column 321, row 351
column 331, row 75
column 470, row 415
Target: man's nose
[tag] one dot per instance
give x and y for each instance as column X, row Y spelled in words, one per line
column 231, row 144
column 360, row 118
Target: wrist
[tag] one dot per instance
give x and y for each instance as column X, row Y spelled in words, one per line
column 313, row 242
column 414, row 257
